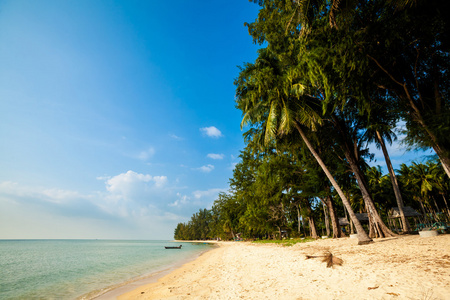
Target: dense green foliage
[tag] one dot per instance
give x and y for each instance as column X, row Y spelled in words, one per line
column 332, row 77
column 257, row 209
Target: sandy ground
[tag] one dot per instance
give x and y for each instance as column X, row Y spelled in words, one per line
column 407, row 267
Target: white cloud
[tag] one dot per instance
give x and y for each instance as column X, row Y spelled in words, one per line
column 215, row 156
column 146, row 154
column 56, row 196
column 206, row 169
column 123, row 194
column 125, row 180
column 211, row 131
column 130, row 203
column 181, row 200
column 130, row 184
column 175, row 137
column 160, row 181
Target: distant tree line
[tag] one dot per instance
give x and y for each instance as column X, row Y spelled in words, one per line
column 277, row 197
column 333, row 76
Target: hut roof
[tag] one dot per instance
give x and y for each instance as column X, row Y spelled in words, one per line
column 364, row 217
column 343, row 222
column 407, row 210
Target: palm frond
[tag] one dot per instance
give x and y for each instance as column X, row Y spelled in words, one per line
column 286, row 119
column 245, row 119
column 271, row 127
column 328, row 258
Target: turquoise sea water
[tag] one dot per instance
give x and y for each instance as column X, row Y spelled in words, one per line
column 69, row 269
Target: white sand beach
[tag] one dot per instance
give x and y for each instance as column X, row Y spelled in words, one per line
column 406, row 267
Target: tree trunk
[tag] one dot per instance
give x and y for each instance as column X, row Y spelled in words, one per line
column 384, row 231
column 312, row 227
column 446, row 205
column 425, row 216
column 303, row 220
column 445, row 166
column 373, row 233
column 352, row 160
column 337, row 233
column 363, row 238
column 416, row 116
column 326, row 217
column 352, row 230
column 398, row 196
column 437, row 208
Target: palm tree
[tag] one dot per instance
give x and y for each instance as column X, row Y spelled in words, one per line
column 270, row 96
column 378, row 130
column 349, row 128
column 405, row 42
column 440, row 183
column 420, row 182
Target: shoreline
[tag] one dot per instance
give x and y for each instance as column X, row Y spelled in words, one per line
column 114, row 291
column 404, row 267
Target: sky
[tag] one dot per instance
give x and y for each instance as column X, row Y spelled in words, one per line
column 117, row 118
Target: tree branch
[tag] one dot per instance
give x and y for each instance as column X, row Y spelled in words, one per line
column 384, row 70
column 415, row 78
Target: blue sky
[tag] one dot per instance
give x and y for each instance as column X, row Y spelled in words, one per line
column 117, row 117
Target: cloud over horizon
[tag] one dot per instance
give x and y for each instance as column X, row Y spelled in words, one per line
column 129, row 199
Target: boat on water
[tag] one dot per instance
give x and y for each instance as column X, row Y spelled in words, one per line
column 176, row 247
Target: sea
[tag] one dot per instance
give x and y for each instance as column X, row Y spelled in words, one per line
column 83, row 269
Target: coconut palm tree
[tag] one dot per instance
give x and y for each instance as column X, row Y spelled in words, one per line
column 274, row 98
column 404, row 46
column 441, row 183
column 381, row 121
column 351, row 142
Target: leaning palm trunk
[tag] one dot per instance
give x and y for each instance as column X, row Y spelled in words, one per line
column 351, row 156
column 383, row 230
column 363, row 238
column 445, row 166
column 373, row 232
column 398, row 195
column 446, row 204
column 416, row 116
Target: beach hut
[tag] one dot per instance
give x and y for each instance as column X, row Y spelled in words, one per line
column 343, row 222
column 363, row 217
column 394, row 212
column 394, row 215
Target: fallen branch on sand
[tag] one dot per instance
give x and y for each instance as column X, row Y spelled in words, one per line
column 329, row 258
